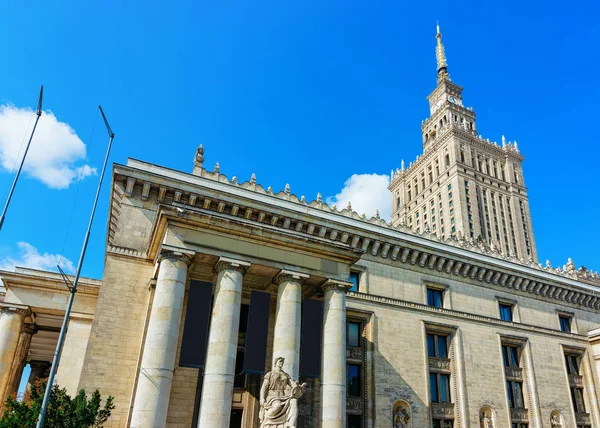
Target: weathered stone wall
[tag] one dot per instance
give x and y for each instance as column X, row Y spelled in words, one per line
column 401, row 352
column 113, row 351
column 73, row 353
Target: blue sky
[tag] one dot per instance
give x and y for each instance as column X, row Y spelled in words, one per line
column 301, row 92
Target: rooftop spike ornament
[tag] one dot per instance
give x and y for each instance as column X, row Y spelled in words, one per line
column 440, row 55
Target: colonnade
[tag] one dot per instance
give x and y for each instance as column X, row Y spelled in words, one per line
column 160, row 347
column 15, row 337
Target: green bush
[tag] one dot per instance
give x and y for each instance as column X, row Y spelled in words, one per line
column 62, row 411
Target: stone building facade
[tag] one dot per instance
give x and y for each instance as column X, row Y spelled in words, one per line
column 415, row 329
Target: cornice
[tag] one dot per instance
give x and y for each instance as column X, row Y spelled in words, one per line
column 316, row 221
column 352, row 295
column 49, row 282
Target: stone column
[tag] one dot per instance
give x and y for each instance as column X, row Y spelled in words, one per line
column 12, row 318
column 160, row 347
column 333, row 359
column 217, row 389
column 286, row 339
column 20, row 358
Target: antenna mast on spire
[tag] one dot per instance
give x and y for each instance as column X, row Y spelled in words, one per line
column 440, row 55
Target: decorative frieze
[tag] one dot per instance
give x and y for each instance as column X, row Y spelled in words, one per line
column 354, row 405
column 582, row 418
column 442, row 410
column 377, row 247
column 576, row 380
column 439, row 364
column 353, row 353
column 519, row 414
column 513, row 373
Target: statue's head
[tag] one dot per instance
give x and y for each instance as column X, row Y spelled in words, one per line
column 279, row 362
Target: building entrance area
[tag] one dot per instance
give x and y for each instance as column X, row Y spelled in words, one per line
column 236, row 418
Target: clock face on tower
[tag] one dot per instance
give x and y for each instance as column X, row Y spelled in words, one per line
column 438, row 104
column 453, row 100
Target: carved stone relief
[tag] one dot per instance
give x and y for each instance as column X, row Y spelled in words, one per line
column 401, row 415
column 556, row 419
column 487, row 417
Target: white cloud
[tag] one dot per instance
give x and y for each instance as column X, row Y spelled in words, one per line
column 367, row 193
column 30, row 257
column 55, row 150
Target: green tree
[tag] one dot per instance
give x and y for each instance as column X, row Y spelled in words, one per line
column 62, row 411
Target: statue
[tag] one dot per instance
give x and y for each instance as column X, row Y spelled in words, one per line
column 487, row 422
column 401, row 418
column 278, row 405
column 555, row 421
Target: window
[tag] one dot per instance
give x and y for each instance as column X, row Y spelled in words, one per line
column 354, row 383
column 244, row 318
column 511, row 355
column 565, row 323
column 572, row 364
column 439, row 387
column 353, row 334
column 354, row 279
column 354, row 421
column 578, row 401
column 434, row 297
column 575, row 381
column 519, row 425
column 238, row 380
column 437, row 345
column 437, row 423
column 514, row 390
column 506, row 312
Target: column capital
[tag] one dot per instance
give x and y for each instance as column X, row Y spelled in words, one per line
column 336, row 284
column 177, row 254
column 231, row 264
column 30, row 329
column 16, row 309
column 288, row 275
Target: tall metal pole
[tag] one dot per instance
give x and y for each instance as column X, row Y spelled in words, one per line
column 63, row 329
column 12, row 189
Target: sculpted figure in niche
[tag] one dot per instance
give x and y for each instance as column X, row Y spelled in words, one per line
column 278, row 398
column 487, row 422
column 401, row 418
column 555, row 421
column 486, row 418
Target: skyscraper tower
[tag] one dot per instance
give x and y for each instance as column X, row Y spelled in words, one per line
column 463, row 185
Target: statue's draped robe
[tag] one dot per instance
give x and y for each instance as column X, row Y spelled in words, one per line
column 277, row 404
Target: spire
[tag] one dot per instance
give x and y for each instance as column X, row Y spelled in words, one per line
column 440, row 54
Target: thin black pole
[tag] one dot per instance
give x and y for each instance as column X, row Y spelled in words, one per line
column 12, row 189
column 63, row 329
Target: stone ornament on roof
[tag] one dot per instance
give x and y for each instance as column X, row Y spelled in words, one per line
column 479, row 245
